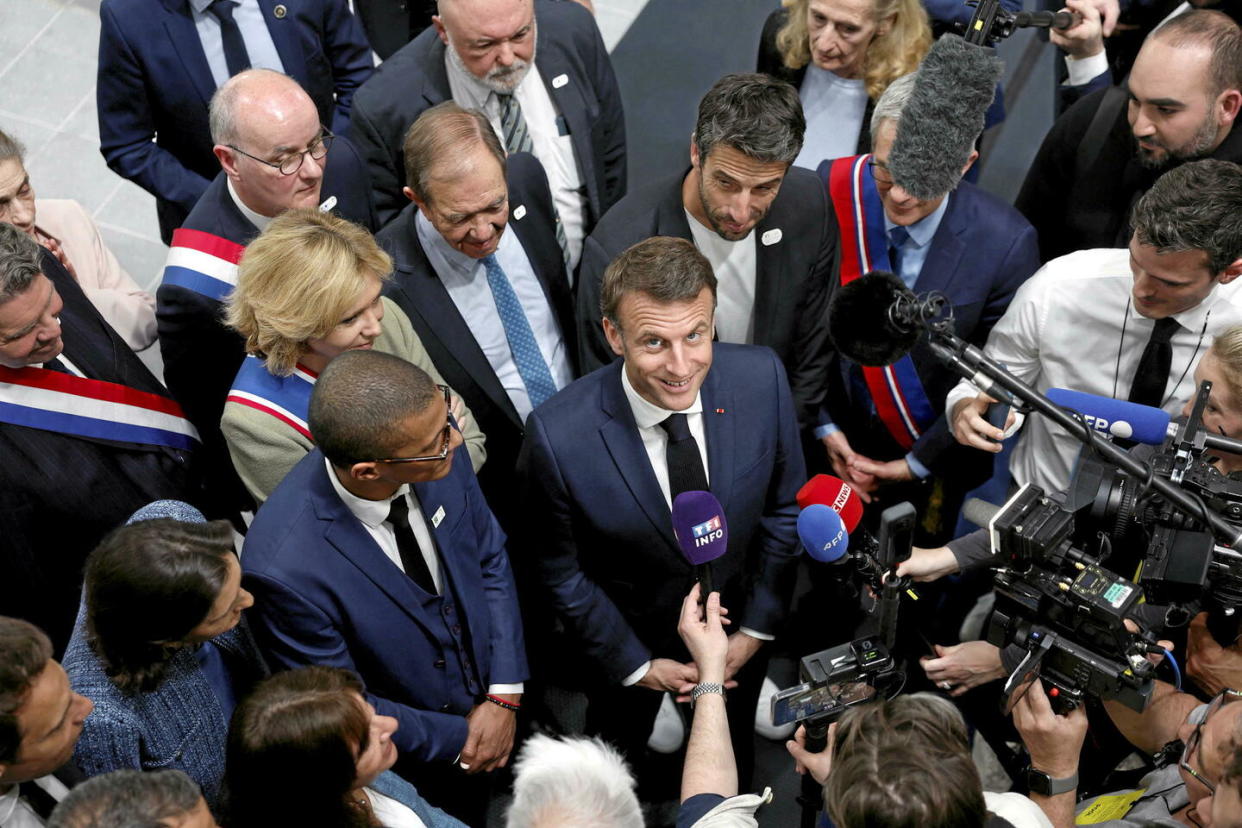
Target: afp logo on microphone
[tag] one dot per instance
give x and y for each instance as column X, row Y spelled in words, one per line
column 707, row 531
column 1116, row 428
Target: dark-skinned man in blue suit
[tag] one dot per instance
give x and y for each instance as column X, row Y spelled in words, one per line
column 378, row 553
column 596, row 481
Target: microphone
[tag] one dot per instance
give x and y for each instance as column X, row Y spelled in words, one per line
column 836, row 494
column 1045, row 19
column 979, row 512
column 823, row 534
column 860, row 322
column 701, row 532
column 1119, row 418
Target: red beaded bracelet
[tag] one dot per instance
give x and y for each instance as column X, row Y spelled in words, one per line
column 512, row 706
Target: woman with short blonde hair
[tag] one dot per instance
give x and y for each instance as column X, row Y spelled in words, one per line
column 308, row 289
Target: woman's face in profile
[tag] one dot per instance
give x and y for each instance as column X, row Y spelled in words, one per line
column 226, row 610
column 380, row 753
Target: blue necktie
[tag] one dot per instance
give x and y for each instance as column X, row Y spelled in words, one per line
column 897, row 237
column 235, row 56
column 530, row 363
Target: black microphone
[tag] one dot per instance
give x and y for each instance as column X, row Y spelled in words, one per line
column 1046, row 19
column 861, row 325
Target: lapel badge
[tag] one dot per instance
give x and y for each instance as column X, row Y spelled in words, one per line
column 330, row 201
column 559, row 81
column 771, row 237
column 719, row 410
column 280, row 11
column 437, row 517
column 519, row 212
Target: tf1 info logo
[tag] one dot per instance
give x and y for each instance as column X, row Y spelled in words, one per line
column 707, row 531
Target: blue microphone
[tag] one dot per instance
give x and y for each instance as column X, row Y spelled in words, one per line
column 823, row 534
column 1119, row 418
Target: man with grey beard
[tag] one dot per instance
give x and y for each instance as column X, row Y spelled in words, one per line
column 1179, row 104
column 539, row 70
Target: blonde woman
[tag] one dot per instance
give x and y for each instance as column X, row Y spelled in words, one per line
column 308, row 289
column 841, row 55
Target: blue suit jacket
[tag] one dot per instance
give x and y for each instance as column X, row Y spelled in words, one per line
column 154, row 82
column 414, row 80
column 601, row 530
column 325, row 593
column 981, row 253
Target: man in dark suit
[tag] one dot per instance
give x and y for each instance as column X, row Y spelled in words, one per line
column 602, row 462
column 378, row 553
column 40, row 722
column 75, row 466
column 1180, row 103
column 161, row 60
column 764, row 226
column 263, row 123
column 479, row 54
column 965, row 244
column 465, row 196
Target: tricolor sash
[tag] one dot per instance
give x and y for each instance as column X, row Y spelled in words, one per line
column 896, row 391
column 285, row 398
column 94, row 409
column 203, row 263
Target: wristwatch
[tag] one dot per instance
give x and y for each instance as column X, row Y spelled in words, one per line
column 1041, row 783
column 703, row 688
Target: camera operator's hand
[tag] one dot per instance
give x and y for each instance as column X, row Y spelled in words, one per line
column 842, row 458
column 971, row 429
column 928, row 564
column 702, row 629
column 1110, row 13
column 1054, row 742
column 1086, row 37
column 667, row 675
column 819, row 764
column 964, row 666
column 1212, row 666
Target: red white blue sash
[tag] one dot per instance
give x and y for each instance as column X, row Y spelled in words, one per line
column 203, row 263
column 94, row 409
column 896, row 391
column 285, row 398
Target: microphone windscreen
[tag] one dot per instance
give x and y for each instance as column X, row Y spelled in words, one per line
column 1120, row 418
column 834, row 493
column 699, row 526
column 822, row 533
column 979, row 512
column 859, row 323
column 944, row 115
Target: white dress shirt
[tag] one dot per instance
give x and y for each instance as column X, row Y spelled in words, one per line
column 15, row 813
column 1064, row 329
column 834, row 108
column 390, row 813
column 259, row 221
column 259, row 44
column 734, row 264
column 648, row 416
column 465, row 279
column 373, row 515
column 550, row 140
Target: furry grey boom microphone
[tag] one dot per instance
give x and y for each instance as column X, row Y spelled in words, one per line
column 943, row 117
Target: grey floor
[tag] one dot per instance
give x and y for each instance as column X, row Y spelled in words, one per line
column 666, row 52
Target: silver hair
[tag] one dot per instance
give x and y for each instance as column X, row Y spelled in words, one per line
column 10, row 147
column 127, row 799
column 894, row 99
column 19, row 261
column 221, row 113
column 570, row 782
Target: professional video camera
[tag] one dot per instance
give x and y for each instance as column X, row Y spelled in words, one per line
column 992, row 22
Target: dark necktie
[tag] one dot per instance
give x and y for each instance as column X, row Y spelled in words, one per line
column 39, row 800
column 1153, row 369
column 54, row 364
column 685, row 464
column 412, row 560
column 517, row 139
column 897, row 237
column 235, row 55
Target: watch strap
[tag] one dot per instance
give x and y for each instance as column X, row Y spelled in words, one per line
column 705, row 687
column 1041, row 783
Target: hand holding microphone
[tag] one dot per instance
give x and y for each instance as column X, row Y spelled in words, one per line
column 1085, row 37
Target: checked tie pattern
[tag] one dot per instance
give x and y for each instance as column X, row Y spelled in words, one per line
column 526, row 355
column 517, row 139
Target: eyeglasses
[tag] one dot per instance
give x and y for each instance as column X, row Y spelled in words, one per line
column 1192, row 744
column 880, row 173
column 292, row 163
column 444, row 445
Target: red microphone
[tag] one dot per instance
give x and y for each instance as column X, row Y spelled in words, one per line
column 834, row 493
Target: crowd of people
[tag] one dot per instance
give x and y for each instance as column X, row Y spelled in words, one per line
column 391, row 540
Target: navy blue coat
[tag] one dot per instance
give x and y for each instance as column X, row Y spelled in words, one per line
column 600, row 530
column 325, row 593
column 154, row 83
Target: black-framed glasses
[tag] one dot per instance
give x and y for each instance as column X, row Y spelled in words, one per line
column 880, row 172
column 444, row 445
column 292, row 163
column 1196, row 738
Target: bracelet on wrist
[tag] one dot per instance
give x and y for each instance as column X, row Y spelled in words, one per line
column 513, row 707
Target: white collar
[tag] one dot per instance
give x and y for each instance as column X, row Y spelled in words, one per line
column 261, row 222
column 647, row 414
column 371, row 512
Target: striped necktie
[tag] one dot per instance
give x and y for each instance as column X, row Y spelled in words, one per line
column 517, row 139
